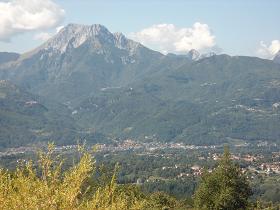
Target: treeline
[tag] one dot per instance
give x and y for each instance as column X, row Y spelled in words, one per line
column 45, row 185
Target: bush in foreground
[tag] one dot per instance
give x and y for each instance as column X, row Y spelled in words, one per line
column 42, row 185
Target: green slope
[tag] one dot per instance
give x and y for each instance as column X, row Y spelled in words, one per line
column 119, row 87
column 208, row 101
column 27, row 119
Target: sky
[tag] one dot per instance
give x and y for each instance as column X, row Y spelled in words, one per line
column 240, row 27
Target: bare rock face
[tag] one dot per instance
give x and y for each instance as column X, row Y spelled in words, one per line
column 74, row 35
column 194, row 55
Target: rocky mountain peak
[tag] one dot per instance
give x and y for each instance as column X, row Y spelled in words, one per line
column 122, row 42
column 74, row 35
column 193, row 55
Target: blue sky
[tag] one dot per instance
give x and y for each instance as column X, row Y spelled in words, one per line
column 236, row 27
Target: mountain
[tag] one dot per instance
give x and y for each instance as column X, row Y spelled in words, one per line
column 277, row 58
column 6, row 57
column 118, row 87
column 79, row 61
column 25, row 119
column 194, row 55
column 210, row 101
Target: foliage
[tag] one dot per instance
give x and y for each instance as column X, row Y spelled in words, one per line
column 225, row 188
column 43, row 185
column 48, row 184
column 48, row 188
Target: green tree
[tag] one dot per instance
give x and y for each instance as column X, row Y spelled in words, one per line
column 226, row 188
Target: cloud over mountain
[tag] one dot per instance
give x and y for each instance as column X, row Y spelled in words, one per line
column 269, row 51
column 19, row 16
column 43, row 36
column 169, row 38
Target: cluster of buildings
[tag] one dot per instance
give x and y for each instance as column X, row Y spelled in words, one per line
column 255, row 163
column 246, row 158
column 265, row 168
column 17, row 151
column 130, row 144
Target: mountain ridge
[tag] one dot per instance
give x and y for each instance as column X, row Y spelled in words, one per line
column 6, row 57
column 276, row 58
column 74, row 35
column 118, row 56
column 116, row 86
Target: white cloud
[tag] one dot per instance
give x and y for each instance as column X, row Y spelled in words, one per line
column 42, row 36
column 269, row 51
column 169, row 38
column 19, row 16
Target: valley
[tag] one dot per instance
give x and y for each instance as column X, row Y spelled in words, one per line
column 174, row 168
column 164, row 119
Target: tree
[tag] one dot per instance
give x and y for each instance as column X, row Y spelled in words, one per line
column 226, row 188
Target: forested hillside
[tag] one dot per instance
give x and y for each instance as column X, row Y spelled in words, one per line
column 103, row 82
